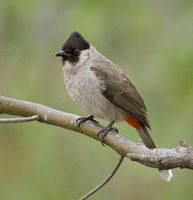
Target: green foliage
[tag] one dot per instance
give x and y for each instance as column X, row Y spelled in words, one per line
column 151, row 40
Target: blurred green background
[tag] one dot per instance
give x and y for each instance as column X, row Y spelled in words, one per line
column 151, row 40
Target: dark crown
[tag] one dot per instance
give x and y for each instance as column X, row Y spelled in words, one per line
column 75, row 41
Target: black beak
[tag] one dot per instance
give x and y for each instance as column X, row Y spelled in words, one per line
column 60, row 53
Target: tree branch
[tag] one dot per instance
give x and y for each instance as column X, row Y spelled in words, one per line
column 157, row 158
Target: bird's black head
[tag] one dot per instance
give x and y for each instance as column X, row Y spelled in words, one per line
column 72, row 47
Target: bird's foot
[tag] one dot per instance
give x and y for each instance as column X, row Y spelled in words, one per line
column 81, row 120
column 102, row 133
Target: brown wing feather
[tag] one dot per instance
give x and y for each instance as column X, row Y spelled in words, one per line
column 121, row 92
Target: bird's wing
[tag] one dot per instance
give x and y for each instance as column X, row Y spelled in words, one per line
column 120, row 91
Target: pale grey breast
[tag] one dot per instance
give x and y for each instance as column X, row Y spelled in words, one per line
column 87, row 89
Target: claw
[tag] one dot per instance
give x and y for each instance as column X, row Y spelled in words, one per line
column 81, row 120
column 102, row 133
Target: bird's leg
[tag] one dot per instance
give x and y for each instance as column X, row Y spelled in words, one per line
column 102, row 133
column 81, row 120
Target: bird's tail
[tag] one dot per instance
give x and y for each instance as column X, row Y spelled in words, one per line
column 149, row 143
column 146, row 137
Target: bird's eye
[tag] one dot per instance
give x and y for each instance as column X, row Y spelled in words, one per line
column 76, row 52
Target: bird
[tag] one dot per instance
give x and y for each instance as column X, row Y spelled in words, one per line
column 103, row 90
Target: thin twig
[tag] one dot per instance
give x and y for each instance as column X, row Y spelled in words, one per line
column 105, row 181
column 19, row 119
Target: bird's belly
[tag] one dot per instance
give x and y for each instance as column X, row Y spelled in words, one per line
column 88, row 94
